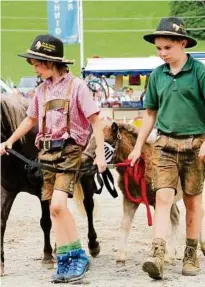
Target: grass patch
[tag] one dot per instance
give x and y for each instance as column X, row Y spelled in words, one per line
column 118, row 44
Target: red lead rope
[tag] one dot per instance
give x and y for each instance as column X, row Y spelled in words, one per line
column 137, row 173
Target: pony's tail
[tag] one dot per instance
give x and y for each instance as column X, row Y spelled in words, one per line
column 174, row 215
column 78, row 199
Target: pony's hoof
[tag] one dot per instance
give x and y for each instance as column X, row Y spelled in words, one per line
column 95, row 251
column 47, row 263
column 120, row 263
column 2, row 269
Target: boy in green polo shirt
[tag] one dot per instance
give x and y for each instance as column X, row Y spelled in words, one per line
column 175, row 102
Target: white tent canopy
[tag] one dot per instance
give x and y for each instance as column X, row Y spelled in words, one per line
column 127, row 66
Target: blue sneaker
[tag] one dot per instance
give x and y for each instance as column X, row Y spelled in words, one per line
column 77, row 266
column 62, row 268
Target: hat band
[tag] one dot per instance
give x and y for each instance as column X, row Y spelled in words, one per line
column 169, row 33
column 43, row 55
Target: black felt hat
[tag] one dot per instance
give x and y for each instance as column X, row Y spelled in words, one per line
column 171, row 26
column 47, row 48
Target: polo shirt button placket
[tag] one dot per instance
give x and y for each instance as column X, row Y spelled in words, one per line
column 174, row 88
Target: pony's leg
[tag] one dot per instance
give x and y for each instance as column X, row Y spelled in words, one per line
column 202, row 233
column 171, row 253
column 129, row 212
column 45, row 223
column 7, row 199
column 88, row 185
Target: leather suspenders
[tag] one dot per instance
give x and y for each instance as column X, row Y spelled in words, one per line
column 57, row 104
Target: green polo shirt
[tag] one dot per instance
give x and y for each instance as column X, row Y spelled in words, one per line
column 179, row 99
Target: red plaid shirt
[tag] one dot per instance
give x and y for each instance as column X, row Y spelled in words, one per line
column 81, row 107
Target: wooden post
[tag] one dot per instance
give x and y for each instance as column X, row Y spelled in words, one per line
column 118, row 82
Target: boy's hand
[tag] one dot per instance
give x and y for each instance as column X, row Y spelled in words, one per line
column 134, row 156
column 101, row 163
column 3, row 147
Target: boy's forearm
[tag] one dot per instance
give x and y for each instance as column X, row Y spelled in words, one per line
column 26, row 125
column 99, row 138
column 98, row 134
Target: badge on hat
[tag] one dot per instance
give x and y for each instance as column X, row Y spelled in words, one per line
column 38, row 45
column 177, row 28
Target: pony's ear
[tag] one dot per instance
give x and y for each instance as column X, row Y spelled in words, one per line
column 115, row 127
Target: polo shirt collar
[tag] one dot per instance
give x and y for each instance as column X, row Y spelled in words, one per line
column 187, row 66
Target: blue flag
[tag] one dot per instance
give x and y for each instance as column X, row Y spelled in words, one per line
column 63, row 20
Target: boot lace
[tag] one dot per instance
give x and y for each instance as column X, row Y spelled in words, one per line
column 190, row 255
column 63, row 266
column 158, row 252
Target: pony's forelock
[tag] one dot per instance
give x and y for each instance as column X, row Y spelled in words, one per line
column 129, row 128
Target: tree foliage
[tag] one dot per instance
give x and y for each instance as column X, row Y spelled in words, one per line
column 193, row 14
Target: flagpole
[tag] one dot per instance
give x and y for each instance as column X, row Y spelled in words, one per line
column 81, row 35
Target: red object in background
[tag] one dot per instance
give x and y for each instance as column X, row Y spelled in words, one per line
column 115, row 104
column 134, row 80
column 106, row 105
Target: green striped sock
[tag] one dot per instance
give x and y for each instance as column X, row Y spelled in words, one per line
column 68, row 247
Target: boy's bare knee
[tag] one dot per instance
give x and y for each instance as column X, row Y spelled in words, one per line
column 56, row 209
column 165, row 196
column 192, row 202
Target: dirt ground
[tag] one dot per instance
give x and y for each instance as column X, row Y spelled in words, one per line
column 24, row 245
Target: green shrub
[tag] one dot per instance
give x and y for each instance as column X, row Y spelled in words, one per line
column 193, row 14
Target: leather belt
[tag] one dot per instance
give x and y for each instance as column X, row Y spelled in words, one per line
column 172, row 135
column 51, row 145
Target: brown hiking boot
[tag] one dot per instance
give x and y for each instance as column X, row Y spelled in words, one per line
column 154, row 265
column 190, row 261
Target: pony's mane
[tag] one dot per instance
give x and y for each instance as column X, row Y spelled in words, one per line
column 14, row 109
column 129, row 128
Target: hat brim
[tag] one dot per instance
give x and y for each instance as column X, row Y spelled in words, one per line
column 36, row 57
column 151, row 38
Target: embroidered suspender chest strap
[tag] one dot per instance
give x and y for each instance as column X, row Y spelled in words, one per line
column 57, row 104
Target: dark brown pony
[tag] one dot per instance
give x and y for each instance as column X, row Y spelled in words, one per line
column 14, row 178
column 123, row 138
